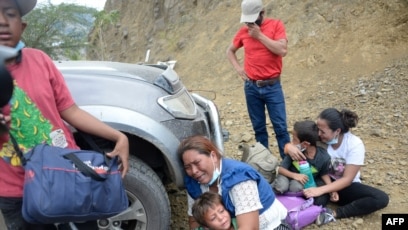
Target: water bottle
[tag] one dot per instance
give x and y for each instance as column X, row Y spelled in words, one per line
column 305, row 169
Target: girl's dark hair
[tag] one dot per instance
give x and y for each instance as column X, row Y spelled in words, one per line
column 199, row 143
column 307, row 131
column 202, row 204
column 344, row 119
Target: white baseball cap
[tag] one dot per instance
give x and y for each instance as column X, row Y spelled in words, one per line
column 250, row 10
column 25, row 6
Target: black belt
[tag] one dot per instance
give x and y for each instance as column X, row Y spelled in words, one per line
column 262, row 83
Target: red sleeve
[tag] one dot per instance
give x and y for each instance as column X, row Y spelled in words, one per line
column 280, row 32
column 63, row 98
column 237, row 41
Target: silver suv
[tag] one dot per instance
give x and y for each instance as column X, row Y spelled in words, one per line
column 154, row 109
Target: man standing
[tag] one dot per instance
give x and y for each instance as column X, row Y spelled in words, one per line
column 264, row 41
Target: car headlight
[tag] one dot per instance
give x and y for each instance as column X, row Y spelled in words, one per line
column 180, row 105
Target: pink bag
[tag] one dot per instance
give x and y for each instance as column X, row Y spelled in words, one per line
column 301, row 212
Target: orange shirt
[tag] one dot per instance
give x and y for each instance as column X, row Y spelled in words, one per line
column 259, row 62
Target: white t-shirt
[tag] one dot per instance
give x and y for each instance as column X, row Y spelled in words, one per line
column 350, row 152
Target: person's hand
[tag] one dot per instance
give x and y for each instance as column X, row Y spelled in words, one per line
column 294, row 152
column 242, row 74
column 334, row 196
column 301, row 178
column 254, row 30
column 312, row 192
column 4, row 119
column 122, row 151
column 3, row 123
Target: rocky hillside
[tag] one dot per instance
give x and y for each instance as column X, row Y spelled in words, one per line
column 346, row 54
column 352, row 33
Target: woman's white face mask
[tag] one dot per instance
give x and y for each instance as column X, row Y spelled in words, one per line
column 216, row 173
column 334, row 140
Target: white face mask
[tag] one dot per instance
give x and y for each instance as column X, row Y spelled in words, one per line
column 333, row 141
column 20, row 45
column 216, row 174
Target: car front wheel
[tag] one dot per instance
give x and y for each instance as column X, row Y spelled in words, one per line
column 149, row 206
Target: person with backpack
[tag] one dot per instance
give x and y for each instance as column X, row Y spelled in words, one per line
column 305, row 136
column 37, row 113
column 347, row 154
column 245, row 193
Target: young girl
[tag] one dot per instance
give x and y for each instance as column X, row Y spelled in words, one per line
column 305, row 136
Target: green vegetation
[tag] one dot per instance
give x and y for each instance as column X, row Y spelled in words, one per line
column 103, row 19
column 61, row 31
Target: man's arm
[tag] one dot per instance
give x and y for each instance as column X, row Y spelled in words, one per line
column 232, row 57
column 85, row 122
column 278, row 47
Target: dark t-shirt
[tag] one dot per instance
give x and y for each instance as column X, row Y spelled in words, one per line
column 320, row 163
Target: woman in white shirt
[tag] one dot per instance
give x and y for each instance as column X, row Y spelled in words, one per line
column 347, row 154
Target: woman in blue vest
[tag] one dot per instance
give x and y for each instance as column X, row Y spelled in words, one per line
column 245, row 193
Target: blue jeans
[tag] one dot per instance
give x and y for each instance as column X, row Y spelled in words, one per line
column 272, row 97
column 360, row 199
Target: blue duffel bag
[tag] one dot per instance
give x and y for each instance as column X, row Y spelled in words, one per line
column 69, row 185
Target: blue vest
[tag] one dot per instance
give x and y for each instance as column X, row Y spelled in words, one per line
column 233, row 172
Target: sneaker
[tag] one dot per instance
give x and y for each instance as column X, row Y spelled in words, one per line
column 325, row 217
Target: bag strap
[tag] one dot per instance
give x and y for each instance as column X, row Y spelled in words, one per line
column 15, row 145
column 85, row 169
column 87, row 137
column 306, row 204
column 17, row 149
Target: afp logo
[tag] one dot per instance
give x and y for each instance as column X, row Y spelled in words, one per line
column 394, row 221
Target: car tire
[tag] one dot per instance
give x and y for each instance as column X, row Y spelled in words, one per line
column 147, row 197
column 149, row 203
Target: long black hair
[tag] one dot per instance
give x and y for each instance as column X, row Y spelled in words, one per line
column 344, row 119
